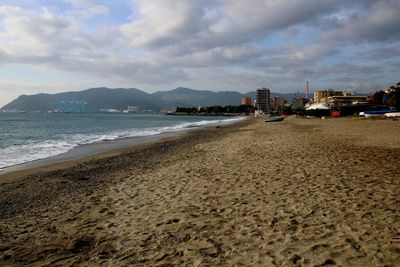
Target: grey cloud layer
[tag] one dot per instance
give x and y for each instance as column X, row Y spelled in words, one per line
column 226, row 43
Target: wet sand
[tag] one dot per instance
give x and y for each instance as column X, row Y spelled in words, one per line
column 297, row 193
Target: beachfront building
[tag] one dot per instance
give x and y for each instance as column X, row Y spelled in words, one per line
column 348, row 100
column 263, row 100
column 277, row 104
column 298, row 105
column 321, row 96
column 246, row 101
column 392, row 89
column 340, row 98
column 300, row 101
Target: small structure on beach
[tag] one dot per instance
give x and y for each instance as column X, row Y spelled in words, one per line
column 318, row 109
column 318, row 106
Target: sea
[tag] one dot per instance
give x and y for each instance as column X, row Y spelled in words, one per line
column 26, row 137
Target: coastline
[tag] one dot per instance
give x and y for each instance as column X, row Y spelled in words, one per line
column 92, row 151
column 83, row 153
column 300, row 192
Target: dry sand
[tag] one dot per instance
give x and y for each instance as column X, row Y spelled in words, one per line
column 297, row 193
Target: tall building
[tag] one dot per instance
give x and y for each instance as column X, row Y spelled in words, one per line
column 263, row 100
column 246, row 101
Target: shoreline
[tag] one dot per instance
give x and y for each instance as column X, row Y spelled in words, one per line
column 300, row 192
column 83, row 153
column 95, row 150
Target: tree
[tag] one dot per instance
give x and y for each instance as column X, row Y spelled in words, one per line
column 377, row 98
column 394, row 99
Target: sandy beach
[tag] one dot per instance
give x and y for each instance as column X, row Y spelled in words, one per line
column 303, row 192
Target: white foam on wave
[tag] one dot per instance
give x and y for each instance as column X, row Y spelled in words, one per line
column 196, row 124
column 14, row 155
column 19, row 154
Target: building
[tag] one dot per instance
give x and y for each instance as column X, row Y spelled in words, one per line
column 263, row 100
column 71, row 106
column 246, row 101
column 300, row 101
column 133, row 109
column 323, row 95
column 277, row 104
column 109, row 110
column 332, row 97
column 348, row 100
column 392, row 89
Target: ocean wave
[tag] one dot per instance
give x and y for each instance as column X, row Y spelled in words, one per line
column 19, row 154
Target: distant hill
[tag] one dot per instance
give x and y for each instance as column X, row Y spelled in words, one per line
column 186, row 97
column 95, row 98
column 105, row 98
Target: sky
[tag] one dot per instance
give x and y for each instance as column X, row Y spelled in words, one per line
column 50, row 46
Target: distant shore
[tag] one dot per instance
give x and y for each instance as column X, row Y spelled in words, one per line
column 298, row 192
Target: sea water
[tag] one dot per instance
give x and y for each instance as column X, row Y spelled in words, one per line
column 27, row 137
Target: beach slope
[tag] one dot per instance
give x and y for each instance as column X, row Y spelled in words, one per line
column 295, row 193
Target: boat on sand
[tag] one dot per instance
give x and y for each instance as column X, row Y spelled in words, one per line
column 274, row 119
column 378, row 113
column 392, row 114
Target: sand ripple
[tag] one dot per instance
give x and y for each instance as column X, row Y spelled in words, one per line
column 297, row 193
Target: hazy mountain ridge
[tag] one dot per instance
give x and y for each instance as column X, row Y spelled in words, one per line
column 189, row 97
column 120, row 98
column 96, row 98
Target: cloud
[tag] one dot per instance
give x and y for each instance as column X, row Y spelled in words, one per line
column 45, row 38
column 384, row 53
column 86, row 9
column 180, row 26
column 379, row 22
column 221, row 44
column 165, row 22
column 348, row 69
column 26, row 34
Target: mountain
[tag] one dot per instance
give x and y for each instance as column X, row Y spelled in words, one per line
column 185, row 97
column 91, row 100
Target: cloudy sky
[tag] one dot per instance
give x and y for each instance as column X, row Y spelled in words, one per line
column 59, row 45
